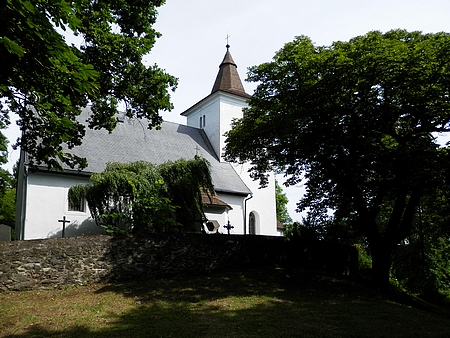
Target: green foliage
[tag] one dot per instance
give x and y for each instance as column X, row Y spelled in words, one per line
column 281, row 202
column 7, row 192
column 186, row 181
column 364, row 259
column 5, row 180
column 8, row 207
column 422, row 262
column 5, row 177
column 306, row 230
column 141, row 198
column 46, row 81
column 126, row 198
column 355, row 121
column 290, row 229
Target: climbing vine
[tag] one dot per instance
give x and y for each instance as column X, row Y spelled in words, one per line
column 140, row 197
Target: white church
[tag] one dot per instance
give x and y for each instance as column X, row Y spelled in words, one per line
column 43, row 208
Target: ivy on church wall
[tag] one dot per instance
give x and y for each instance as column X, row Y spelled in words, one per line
column 141, row 197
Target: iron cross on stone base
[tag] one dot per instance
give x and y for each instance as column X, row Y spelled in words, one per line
column 63, row 221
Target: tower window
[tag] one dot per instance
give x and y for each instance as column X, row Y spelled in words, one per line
column 202, row 121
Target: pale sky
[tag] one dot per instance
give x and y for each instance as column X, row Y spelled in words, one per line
column 194, row 38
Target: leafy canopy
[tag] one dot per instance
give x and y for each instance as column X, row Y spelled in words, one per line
column 46, row 81
column 355, row 120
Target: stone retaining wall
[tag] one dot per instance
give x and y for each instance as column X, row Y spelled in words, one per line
column 49, row 263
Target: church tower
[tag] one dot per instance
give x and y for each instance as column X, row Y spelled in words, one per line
column 214, row 114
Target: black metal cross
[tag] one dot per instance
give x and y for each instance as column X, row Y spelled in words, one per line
column 228, row 226
column 63, row 221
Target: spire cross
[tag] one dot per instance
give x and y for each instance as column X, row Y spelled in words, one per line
column 228, row 46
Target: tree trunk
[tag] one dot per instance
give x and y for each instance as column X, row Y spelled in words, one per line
column 382, row 245
column 381, row 264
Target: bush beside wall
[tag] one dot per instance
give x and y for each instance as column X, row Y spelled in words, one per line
column 50, row 263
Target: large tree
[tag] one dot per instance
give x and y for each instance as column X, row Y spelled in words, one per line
column 356, row 120
column 46, row 81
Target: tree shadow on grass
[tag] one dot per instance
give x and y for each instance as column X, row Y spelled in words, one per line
column 276, row 303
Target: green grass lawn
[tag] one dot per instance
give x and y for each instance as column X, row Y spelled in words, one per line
column 270, row 303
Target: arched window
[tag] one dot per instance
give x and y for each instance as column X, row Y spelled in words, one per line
column 252, row 224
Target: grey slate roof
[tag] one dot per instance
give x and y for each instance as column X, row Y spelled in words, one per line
column 131, row 141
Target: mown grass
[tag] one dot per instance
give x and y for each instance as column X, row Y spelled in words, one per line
column 267, row 303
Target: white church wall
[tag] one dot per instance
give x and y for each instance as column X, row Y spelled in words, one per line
column 216, row 111
column 216, row 214
column 231, row 108
column 207, row 111
column 47, row 202
column 220, row 109
column 262, row 203
column 235, row 215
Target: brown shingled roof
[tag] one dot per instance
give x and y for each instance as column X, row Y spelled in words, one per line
column 215, row 201
column 280, row 226
column 228, row 79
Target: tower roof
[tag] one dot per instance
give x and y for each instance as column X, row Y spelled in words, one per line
column 228, row 79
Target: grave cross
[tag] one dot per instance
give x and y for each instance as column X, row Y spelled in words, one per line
column 63, row 221
column 228, row 226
